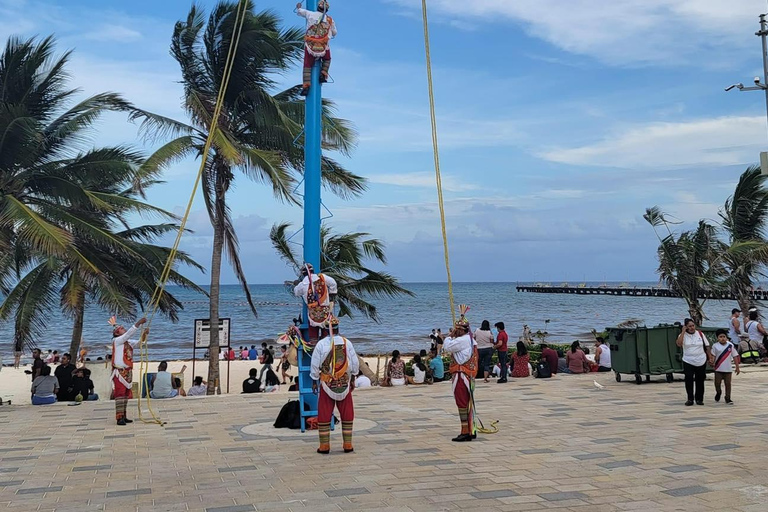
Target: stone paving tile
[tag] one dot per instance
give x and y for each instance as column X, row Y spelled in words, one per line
column 563, row 496
column 233, row 508
column 687, row 491
column 39, row 490
column 619, row 464
column 721, row 447
column 128, row 492
column 684, row 468
column 590, row 456
column 504, row 493
column 335, row 493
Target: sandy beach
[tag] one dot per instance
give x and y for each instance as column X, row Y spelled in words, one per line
column 15, row 384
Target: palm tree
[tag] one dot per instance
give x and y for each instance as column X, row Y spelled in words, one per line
column 689, row 263
column 259, row 130
column 60, row 200
column 744, row 219
column 343, row 258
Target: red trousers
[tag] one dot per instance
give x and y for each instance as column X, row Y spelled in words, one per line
column 464, row 403
column 309, row 59
column 326, row 404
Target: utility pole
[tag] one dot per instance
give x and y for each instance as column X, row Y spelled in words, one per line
column 760, row 85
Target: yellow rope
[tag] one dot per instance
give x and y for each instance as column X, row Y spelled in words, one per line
column 154, row 304
column 436, row 151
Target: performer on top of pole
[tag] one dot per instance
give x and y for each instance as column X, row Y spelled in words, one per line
column 318, row 292
column 320, row 30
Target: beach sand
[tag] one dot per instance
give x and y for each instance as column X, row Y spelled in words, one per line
column 15, row 384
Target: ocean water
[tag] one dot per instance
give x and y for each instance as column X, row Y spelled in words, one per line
column 405, row 321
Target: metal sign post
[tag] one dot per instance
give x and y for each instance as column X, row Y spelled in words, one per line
column 202, row 337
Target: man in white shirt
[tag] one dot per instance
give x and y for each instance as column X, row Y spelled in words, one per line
column 464, row 361
column 320, row 30
column 122, row 366
column 334, row 364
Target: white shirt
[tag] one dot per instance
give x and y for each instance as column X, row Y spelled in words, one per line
column 50, row 358
column 754, row 333
column 418, row 375
column 362, row 382
column 313, row 17
column 117, row 354
column 302, row 289
column 727, row 365
column 320, row 353
column 460, row 348
column 693, row 348
column 484, row 339
column 605, row 355
column 732, row 334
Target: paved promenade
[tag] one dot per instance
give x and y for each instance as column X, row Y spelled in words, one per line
column 563, row 445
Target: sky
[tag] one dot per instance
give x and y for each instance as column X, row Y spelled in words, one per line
column 559, row 122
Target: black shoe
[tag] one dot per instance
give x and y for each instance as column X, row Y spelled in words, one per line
column 501, row 381
column 699, row 402
column 729, row 401
column 474, row 436
column 718, row 395
column 689, row 403
column 323, row 78
column 304, row 91
column 128, row 421
column 348, row 450
column 462, row 438
column 324, row 452
column 121, row 422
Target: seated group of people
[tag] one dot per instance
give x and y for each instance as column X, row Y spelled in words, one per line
column 426, row 370
column 267, row 382
column 66, row 384
column 575, row 360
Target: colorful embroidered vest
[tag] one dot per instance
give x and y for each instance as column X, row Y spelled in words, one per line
column 318, row 300
column 127, row 354
column 469, row 368
column 318, row 36
column 333, row 371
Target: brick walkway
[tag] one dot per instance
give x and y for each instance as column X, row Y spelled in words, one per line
column 563, row 444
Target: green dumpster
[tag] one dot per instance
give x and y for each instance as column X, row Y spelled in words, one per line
column 646, row 351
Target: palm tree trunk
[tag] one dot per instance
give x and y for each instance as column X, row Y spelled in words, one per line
column 77, row 329
column 744, row 302
column 213, row 358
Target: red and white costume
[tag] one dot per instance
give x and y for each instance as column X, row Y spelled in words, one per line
column 122, row 370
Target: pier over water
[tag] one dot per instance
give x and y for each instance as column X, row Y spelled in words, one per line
column 633, row 291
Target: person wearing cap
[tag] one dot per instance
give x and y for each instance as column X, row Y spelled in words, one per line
column 463, row 368
column 318, row 291
column 320, row 30
column 122, row 366
column 334, row 365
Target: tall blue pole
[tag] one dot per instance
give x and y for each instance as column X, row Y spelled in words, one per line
column 312, row 206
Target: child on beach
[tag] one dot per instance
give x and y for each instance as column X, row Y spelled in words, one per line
column 726, row 359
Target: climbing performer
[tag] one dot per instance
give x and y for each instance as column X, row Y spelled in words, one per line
column 318, row 292
column 320, row 30
column 463, row 368
column 122, row 366
column 335, row 365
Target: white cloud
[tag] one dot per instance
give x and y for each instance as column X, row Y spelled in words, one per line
column 719, row 141
column 621, row 31
column 110, row 32
column 422, row 180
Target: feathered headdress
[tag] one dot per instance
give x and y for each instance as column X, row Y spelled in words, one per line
column 113, row 322
column 463, row 321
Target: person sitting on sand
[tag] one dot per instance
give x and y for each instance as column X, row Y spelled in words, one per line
column 271, row 383
column 163, row 384
column 252, row 384
column 199, row 387
column 44, row 387
column 396, row 370
column 419, row 372
column 576, row 359
column 82, row 385
column 362, row 381
column 294, row 384
column 520, row 360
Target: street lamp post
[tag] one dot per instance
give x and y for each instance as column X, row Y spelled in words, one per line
column 759, row 85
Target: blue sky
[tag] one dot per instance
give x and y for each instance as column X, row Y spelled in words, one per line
column 560, row 121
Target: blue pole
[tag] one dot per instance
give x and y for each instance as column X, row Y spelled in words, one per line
column 312, row 206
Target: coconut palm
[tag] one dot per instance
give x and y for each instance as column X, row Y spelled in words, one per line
column 343, row 257
column 259, row 130
column 61, row 199
column 689, row 263
column 744, row 219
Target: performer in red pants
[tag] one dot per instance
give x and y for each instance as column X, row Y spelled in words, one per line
column 122, row 366
column 463, row 350
column 335, row 365
column 320, row 30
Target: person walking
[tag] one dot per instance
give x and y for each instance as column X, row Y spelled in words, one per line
column 696, row 354
column 484, row 340
column 502, row 349
column 734, row 331
column 726, row 357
